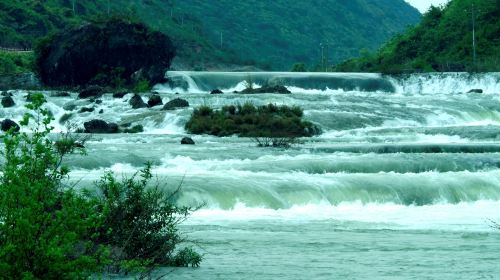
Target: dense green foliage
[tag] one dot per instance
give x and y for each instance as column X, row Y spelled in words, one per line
column 443, row 41
column 50, row 231
column 209, row 34
column 280, row 32
column 250, row 121
column 15, row 62
column 22, row 22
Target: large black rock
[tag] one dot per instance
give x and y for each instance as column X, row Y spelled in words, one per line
column 7, row 124
column 154, row 100
column 100, row 126
column 7, row 102
column 98, row 52
column 136, row 102
column 176, row 103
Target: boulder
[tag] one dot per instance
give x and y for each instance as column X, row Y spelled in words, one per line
column 216, row 91
column 103, row 51
column 86, row 110
column 70, row 106
column 154, row 100
column 7, row 102
column 267, row 89
column 7, row 124
column 4, row 93
column 176, row 103
column 476, row 90
column 187, row 141
column 136, row 102
column 91, row 92
column 100, row 126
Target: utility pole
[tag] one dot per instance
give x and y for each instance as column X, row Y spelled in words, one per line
column 327, row 56
column 474, row 35
column 322, row 46
column 108, row 7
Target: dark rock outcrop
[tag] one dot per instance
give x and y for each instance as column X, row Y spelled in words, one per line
column 187, row 141
column 7, row 124
column 154, row 100
column 136, row 102
column 176, row 103
column 100, row 126
column 216, row 91
column 101, row 52
column 7, row 102
column 91, row 92
column 267, row 89
column 475, row 90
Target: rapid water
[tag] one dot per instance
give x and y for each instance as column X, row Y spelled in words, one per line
column 404, row 182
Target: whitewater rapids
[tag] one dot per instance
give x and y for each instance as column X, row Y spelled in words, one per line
column 403, row 183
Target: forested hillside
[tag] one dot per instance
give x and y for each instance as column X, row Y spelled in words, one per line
column 24, row 21
column 268, row 34
column 443, row 41
column 281, row 32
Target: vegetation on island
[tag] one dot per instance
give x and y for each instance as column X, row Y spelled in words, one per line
column 247, row 120
column 51, row 230
column 442, row 41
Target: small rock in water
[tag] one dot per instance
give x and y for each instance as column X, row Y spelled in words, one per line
column 136, row 102
column 187, row 141
column 8, row 124
column 86, row 110
column 100, row 126
column 176, row 103
column 98, row 101
column 7, row 102
column 91, row 91
column 101, row 111
column 475, row 90
column 216, row 91
column 155, row 100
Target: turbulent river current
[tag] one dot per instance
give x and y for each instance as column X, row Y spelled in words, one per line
column 403, row 183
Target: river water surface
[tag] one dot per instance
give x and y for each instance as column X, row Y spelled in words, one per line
column 404, row 182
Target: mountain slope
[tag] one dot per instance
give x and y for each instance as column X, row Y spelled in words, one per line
column 281, row 32
column 22, row 22
column 442, row 41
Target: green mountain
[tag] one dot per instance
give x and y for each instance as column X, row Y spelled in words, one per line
column 270, row 34
column 24, row 21
column 442, row 41
column 279, row 33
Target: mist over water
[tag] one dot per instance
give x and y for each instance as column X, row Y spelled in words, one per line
column 403, row 181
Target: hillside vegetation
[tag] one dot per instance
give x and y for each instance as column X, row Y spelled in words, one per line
column 280, row 33
column 22, row 22
column 442, row 41
column 211, row 34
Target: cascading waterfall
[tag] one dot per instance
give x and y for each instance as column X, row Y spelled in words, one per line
column 408, row 140
column 407, row 169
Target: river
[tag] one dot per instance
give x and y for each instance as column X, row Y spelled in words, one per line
column 403, row 183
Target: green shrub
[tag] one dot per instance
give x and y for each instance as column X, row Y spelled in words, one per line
column 250, row 121
column 43, row 224
column 15, row 62
column 140, row 222
column 49, row 231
